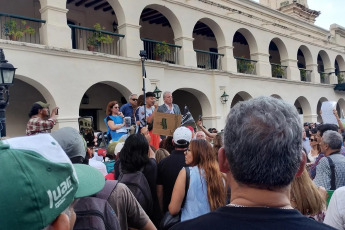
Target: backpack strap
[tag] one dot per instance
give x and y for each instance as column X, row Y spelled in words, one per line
column 332, row 167
column 108, row 188
column 187, row 185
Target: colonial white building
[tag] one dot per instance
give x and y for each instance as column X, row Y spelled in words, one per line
column 197, row 49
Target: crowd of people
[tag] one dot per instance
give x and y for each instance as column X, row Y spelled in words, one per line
column 263, row 171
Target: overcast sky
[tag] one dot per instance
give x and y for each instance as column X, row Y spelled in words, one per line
column 332, row 11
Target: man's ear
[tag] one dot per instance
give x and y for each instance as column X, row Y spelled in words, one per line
column 223, row 161
column 301, row 165
column 60, row 223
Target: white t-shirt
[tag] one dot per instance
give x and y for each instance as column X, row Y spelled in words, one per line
column 141, row 114
column 100, row 166
column 335, row 215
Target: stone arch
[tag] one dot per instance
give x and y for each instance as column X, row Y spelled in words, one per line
column 339, row 66
column 304, row 108
column 216, row 29
column 240, row 96
column 24, row 92
column 276, row 96
column 198, row 103
column 99, row 95
column 119, row 12
column 308, row 59
column 318, row 108
column 326, row 60
column 252, row 43
column 170, row 15
column 283, row 53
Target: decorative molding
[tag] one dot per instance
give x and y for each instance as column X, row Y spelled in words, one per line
column 61, row 10
column 183, row 38
column 129, row 26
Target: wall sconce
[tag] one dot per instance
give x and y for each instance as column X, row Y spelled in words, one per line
column 157, row 93
column 114, row 26
column 224, row 98
column 85, row 100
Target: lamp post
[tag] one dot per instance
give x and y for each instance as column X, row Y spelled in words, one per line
column 7, row 72
column 224, row 98
column 157, row 93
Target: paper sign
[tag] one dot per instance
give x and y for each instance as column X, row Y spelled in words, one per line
column 166, row 123
column 327, row 112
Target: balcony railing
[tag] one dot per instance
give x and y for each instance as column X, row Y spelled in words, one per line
column 324, row 77
column 305, row 74
column 19, row 28
column 341, row 76
column 278, row 71
column 208, row 60
column 83, row 39
column 161, row 51
column 246, row 66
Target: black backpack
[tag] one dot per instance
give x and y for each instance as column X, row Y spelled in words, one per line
column 137, row 183
column 95, row 212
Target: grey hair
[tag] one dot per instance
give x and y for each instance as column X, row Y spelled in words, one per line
column 165, row 93
column 263, row 142
column 130, row 96
column 333, row 139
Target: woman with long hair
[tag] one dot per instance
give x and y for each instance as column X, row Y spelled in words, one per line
column 206, row 191
column 217, row 144
column 315, row 149
column 114, row 121
column 307, row 198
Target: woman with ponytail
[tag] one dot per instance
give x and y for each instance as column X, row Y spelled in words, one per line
column 207, row 186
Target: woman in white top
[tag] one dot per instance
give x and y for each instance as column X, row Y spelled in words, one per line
column 315, row 149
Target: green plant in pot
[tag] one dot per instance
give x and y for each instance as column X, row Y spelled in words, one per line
column 340, row 78
column 245, row 66
column 97, row 38
column 278, row 71
column 161, row 49
column 322, row 77
column 15, row 31
column 303, row 74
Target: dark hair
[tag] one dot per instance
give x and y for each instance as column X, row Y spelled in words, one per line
column 168, row 144
column 263, row 142
column 109, row 106
column 34, row 109
column 324, row 127
column 134, row 154
column 140, row 101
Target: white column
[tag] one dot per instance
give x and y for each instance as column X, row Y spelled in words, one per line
column 292, row 70
column 333, row 79
column 263, row 66
column 315, row 76
column 55, row 32
column 131, row 43
column 187, row 55
column 228, row 61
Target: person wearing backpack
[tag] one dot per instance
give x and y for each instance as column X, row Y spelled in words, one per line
column 114, row 207
column 137, row 168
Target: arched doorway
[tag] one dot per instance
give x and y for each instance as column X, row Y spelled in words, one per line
column 240, row 96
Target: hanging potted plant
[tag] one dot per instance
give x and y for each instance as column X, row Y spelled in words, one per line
column 245, row 66
column 161, row 49
column 303, row 73
column 97, row 38
column 14, row 31
column 340, row 78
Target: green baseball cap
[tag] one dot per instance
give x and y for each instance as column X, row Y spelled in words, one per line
column 38, row 182
column 44, row 105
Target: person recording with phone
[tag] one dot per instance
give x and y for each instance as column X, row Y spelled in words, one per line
column 115, row 121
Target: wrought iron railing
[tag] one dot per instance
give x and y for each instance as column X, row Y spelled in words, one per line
column 84, row 38
column 19, row 28
column 161, row 51
column 208, row 60
column 245, row 65
column 324, row 77
column 278, row 71
column 305, row 74
column 341, row 76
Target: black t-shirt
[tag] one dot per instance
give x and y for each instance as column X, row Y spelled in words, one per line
column 168, row 170
column 251, row 218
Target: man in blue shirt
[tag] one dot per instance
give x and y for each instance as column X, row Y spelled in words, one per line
column 129, row 108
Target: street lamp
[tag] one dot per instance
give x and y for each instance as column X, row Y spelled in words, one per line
column 7, row 72
column 157, row 93
column 224, row 98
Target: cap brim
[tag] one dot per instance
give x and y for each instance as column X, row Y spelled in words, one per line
column 90, row 180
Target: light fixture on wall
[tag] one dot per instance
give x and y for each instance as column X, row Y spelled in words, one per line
column 7, row 73
column 157, row 93
column 85, row 100
column 115, row 26
column 224, row 98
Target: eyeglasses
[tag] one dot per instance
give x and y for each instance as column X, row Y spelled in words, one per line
column 116, row 107
column 134, row 99
column 313, row 140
